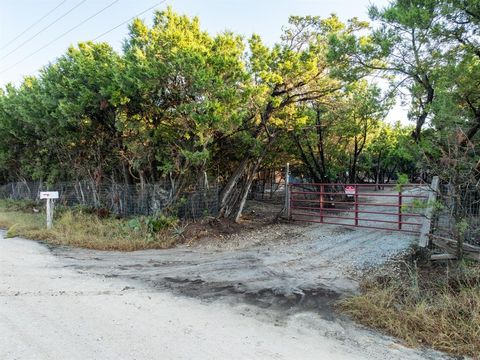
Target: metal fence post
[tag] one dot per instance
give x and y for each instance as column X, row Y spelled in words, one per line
column 400, row 209
column 356, row 204
column 322, row 190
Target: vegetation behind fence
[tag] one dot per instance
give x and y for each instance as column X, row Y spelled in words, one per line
column 458, row 213
column 123, row 199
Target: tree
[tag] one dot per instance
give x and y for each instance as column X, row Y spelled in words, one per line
column 296, row 71
column 180, row 90
column 391, row 151
column 337, row 131
column 406, row 44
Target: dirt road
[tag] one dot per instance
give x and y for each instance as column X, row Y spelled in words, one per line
column 262, row 297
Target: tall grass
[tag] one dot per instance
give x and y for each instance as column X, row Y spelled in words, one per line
column 433, row 306
column 79, row 229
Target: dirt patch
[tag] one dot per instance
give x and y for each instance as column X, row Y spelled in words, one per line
column 213, row 228
column 265, row 211
column 320, row 300
column 257, row 215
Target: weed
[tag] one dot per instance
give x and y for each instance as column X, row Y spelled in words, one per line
column 402, row 179
column 438, row 306
column 160, row 222
column 27, row 206
column 179, row 230
column 12, row 231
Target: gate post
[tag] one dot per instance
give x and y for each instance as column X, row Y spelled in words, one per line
column 427, row 222
column 400, row 209
column 356, row 204
column 287, row 191
column 321, row 202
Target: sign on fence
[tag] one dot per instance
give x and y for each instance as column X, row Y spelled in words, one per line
column 350, row 191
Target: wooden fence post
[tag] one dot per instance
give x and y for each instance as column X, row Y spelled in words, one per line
column 427, row 222
column 49, row 214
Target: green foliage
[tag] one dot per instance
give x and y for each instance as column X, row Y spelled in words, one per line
column 19, row 205
column 11, row 232
column 462, row 226
column 160, row 222
column 151, row 225
column 402, row 179
column 178, row 102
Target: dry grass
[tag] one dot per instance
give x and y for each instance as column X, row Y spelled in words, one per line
column 426, row 306
column 83, row 230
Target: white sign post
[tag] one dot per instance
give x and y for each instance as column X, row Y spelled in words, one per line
column 49, row 196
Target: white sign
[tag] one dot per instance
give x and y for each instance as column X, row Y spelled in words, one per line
column 48, row 194
column 350, row 190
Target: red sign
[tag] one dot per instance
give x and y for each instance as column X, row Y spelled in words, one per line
column 350, row 190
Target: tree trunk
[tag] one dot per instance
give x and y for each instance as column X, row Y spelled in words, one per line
column 353, row 168
column 320, row 145
column 245, row 189
column 423, row 116
column 312, row 169
column 377, row 171
column 228, row 189
column 232, row 200
column 234, row 197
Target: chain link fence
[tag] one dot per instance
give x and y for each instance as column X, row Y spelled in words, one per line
column 123, row 199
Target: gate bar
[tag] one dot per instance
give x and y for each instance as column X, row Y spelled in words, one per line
column 360, row 211
column 360, row 195
column 359, row 219
column 346, row 202
column 354, row 207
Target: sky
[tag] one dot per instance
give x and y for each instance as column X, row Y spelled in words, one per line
column 31, row 36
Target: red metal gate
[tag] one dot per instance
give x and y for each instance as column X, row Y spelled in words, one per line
column 385, row 206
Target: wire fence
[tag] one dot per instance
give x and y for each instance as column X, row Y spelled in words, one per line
column 272, row 191
column 123, row 199
column 458, row 211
